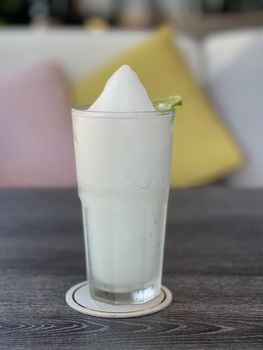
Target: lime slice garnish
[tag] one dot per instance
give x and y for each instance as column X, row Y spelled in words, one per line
column 167, row 103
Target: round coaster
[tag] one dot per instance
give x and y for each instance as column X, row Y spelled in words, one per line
column 78, row 298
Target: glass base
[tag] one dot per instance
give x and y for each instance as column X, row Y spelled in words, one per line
column 137, row 297
column 78, row 298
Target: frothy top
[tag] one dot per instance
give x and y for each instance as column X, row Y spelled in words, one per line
column 123, row 92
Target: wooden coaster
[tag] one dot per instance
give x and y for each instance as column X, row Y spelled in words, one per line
column 78, row 298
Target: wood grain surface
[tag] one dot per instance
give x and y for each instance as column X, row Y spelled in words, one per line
column 213, row 264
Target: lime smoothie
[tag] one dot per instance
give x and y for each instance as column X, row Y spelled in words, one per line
column 123, row 151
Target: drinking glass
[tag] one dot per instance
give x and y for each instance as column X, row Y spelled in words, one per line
column 123, row 168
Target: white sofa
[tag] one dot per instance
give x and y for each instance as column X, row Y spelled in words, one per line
column 229, row 65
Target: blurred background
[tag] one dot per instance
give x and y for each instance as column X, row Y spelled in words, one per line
column 48, row 45
column 202, row 15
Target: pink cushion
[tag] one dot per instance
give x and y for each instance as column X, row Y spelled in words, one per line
column 36, row 143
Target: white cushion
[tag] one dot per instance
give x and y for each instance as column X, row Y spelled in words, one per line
column 234, row 78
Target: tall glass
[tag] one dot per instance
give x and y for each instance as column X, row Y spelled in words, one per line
column 123, row 167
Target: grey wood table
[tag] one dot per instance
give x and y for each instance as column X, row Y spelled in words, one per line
column 213, row 265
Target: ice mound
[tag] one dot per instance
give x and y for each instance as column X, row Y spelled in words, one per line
column 123, row 92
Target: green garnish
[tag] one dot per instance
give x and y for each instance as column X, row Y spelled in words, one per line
column 167, row 103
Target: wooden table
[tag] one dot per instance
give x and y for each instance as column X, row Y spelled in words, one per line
column 213, row 265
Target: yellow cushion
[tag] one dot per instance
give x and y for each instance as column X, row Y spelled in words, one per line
column 203, row 150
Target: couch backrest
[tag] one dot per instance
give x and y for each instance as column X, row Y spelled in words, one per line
column 78, row 51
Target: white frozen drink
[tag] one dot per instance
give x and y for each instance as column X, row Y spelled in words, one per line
column 123, row 151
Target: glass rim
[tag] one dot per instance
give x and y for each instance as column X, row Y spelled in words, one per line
column 83, row 112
